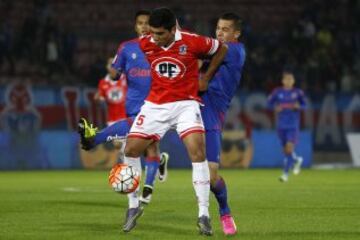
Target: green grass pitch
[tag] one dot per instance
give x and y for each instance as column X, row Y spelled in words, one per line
column 79, row 205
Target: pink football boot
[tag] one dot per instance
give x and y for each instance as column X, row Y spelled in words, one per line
column 228, row 224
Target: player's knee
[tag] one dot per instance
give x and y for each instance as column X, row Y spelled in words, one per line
column 288, row 149
column 131, row 151
column 152, row 150
column 213, row 178
column 198, row 155
column 213, row 173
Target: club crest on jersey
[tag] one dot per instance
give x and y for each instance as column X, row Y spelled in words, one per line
column 293, row 95
column 182, row 49
column 168, row 67
column 115, row 95
column 133, row 56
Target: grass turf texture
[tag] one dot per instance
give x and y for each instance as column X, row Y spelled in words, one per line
column 80, row 205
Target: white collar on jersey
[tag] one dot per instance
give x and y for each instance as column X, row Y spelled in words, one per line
column 177, row 38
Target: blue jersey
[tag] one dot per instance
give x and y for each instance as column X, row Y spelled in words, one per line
column 222, row 87
column 288, row 118
column 131, row 61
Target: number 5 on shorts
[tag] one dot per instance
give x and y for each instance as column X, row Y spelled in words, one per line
column 140, row 120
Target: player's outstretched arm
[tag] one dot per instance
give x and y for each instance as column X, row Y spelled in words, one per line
column 215, row 62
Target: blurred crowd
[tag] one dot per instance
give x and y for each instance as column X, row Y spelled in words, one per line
column 322, row 43
column 323, row 46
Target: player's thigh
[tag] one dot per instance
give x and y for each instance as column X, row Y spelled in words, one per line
column 289, row 140
column 195, row 146
column 187, row 118
column 136, row 146
column 213, row 145
column 282, row 137
column 151, row 122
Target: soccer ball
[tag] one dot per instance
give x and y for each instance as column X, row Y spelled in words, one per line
column 124, row 178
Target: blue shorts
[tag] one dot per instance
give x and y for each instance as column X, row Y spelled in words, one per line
column 213, row 118
column 213, row 145
column 288, row 135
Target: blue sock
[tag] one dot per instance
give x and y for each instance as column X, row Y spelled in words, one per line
column 152, row 165
column 289, row 161
column 220, row 193
column 118, row 130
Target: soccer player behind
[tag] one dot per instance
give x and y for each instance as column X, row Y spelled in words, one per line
column 130, row 61
column 287, row 102
column 217, row 98
column 173, row 100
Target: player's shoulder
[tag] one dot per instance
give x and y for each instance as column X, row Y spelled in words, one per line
column 128, row 43
column 188, row 34
column 190, row 38
column 102, row 82
column 237, row 47
column 299, row 91
column 145, row 41
column 277, row 90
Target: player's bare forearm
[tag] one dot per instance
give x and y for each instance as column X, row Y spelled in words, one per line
column 214, row 64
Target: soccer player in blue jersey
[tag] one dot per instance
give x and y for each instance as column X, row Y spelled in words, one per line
column 130, row 60
column 217, row 97
column 287, row 102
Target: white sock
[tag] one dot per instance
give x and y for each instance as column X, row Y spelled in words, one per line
column 201, row 183
column 133, row 197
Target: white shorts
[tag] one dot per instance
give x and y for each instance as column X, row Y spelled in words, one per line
column 154, row 120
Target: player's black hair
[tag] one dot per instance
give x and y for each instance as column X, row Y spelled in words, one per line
column 233, row 17
column 288, row 70
column 162, row 17
column 142, row 12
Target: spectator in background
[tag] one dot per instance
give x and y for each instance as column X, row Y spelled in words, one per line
column 5, row 45
column 69, row 45
column 52, row 54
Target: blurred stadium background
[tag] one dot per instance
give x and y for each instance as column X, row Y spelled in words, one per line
column 53, row 52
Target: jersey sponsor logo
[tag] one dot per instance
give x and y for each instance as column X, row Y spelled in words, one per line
column 115, row 137
column 182, row 49
column 168, row 67
column 139, row 72
column 133, row 56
